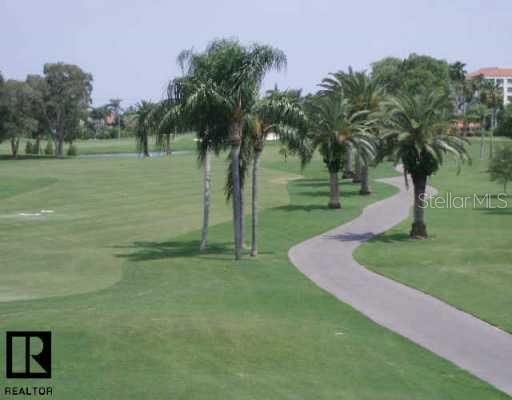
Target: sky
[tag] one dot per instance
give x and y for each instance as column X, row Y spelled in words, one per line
column 130, row 47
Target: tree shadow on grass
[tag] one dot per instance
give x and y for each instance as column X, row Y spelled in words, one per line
column 392, row 238
column 320, row 188
column 147, row 251
column 495, row 206
column 326, row 193
column 302, row 207
column 370, row 236
column 6, row 157
column 496, row 211
column 351, row 237
column 311, row 182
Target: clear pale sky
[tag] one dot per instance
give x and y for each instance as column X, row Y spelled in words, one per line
column 130, row 47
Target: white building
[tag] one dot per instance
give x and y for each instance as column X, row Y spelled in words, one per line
column 502, row 76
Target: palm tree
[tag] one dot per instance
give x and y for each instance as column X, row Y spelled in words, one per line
column 492, row 96
column 144, row 126
column 238, row 73
column 164, row 127
column 332, row 126
column 480, row 113
column 420, row 127
column 363, row 94
column 194, row 103
column 272, row 114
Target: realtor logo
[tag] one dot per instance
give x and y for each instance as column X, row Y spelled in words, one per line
column 29, row 355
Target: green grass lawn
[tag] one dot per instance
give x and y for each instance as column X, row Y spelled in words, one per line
column 137, row 313
column 123, row 145
column 467, row 261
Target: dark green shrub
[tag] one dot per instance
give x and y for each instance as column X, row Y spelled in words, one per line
column 48, row 150
column 504, row 127
column 500, row 167
column 72, row 150
column 29, row 149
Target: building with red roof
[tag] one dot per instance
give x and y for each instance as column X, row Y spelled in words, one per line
column 502, row 76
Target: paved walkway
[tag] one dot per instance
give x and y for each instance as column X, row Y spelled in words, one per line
column 474, row 345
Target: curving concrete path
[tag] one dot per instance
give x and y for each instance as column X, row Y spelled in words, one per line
column 472, row 344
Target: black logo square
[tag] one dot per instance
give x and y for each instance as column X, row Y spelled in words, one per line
column 37, row 347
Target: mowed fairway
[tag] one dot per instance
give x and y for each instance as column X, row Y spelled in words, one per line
column 91, row 209
column 137, row 313
column 467, row 261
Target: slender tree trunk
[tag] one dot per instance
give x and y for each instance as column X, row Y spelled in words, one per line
column 145, row 146
column 59, row 151
column 482, row 141
column 365, row 180
column 334, row 202
column 357, row 171
column 15, row 144
column 491, row 135
column 348, row 172
column 168, row 144
column 236, row 140
column 242, row 217
column 207, row 181
column 464, row 121
column 37, row 146
column 419, row 229
column 255, row 193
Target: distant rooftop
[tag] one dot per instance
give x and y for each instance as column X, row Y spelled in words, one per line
column 491, row 72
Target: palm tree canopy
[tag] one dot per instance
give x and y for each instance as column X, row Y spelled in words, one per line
column 421, row 132
column 331, row 126
column 219, row 85
column 362, row 91
column 144, row 124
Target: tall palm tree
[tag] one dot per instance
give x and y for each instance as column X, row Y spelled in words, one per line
column 144, row 126
column 272, row 114
column 470, row 97
column 480, row 113
column 195, row 103
column 331, row 127
column 420, row 127
column 492, row 96
column 238, row 74
column 363, row 94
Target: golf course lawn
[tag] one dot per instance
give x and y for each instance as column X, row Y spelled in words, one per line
column 123, row 145
column 137, row 313
column 467, row 262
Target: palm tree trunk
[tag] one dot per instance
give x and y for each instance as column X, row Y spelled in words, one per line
column 491, row 135
column 145, row 146
column 59, row 147
column 348, row 172
column 37, row 146
column 334, row 202
column 365, row 181
column 15, row 144
column 482, row 142
column 207, row 180
column 167, row 144
column 419, row 229
column 236, row 140
column 357, row 171
column 255, row 193
column 242, row 218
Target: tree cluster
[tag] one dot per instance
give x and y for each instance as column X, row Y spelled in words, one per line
column 52, row 105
